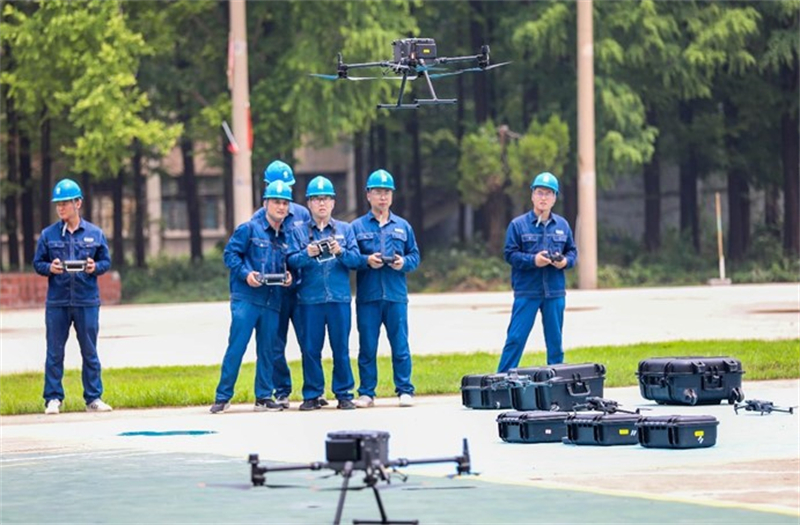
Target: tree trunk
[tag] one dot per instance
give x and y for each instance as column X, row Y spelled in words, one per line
column 192, row 204
column 26, row 181
column 140, row 205
column 10, row 199
column 652, row 194
column 86, row 189
column 568, row 196
column 791, row 180
column 494, row 213
column 46, row 183
column 361, row 167
column 227, row 183
column 477, row 36
column 738, row 214
column 772, row 195
column 417, row 207
column 689, row 222
column 118, row 241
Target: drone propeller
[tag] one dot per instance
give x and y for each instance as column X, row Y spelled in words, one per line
column 468, row 70
column 337, row 77
column 326, row 77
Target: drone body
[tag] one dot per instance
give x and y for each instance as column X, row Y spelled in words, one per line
column 413, row 58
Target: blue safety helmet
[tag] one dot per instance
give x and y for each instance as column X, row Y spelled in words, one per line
column 278, row 190
column 319, row 186
column 279, row 171
column 380, row 179
column 66, row 190
column 546, row 180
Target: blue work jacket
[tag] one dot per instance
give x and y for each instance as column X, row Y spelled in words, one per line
column 328, row 281
column 68, row 288
column 256, row 246
column 297, row 217
column 385, row 283
column 524, row 239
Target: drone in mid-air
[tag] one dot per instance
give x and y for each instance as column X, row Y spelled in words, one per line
column 414, row 58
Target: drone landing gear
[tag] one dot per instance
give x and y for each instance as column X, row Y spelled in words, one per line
column 433, row 101
column 371, row 480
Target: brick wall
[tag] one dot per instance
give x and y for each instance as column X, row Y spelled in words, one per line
column 29, row 290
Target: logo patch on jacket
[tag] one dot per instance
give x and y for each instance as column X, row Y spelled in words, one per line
column 560, row 232
column 88, row 239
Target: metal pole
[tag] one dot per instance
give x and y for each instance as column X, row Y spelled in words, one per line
column 242, row 168
column 586, row 230
column 720, row 253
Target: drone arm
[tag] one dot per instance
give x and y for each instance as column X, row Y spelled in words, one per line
column 451, row 60
column 368, row 64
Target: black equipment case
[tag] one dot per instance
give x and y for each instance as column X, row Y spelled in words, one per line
column 678, row 431
column 485, row 391
column 537, row 426
column 556, row 387
column 591, row 428
column 691, row 380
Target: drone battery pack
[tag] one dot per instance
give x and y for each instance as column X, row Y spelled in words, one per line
column 691, row 380
column 536, row 426
column 557, row 387
column 591, row 428
column 677, row 431
column 486, row 391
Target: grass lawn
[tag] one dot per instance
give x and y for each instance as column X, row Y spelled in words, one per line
column 433, row 374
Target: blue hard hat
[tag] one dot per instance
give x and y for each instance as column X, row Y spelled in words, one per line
column 279, row 171
column 380, row 179
column 319, row 186
column 278, row 190
column 66, row 190
column 546, row 180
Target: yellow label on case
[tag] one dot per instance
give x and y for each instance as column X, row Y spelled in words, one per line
column 699, row 433
column 624, row 431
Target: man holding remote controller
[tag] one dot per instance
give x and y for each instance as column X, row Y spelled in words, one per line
column 539, row 247
column 72, row 253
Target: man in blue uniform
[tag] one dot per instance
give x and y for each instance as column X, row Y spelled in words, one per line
column 298, row 216
column 388, row 252
column 324, row 250
column 72, row 253
column 539, row 247
column 256, row 249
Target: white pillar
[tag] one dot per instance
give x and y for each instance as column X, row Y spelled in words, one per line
column 586, row 229
column 242, row 168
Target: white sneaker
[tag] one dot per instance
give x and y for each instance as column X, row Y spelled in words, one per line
column 53, row 407
column 406, row 400
column 364, row 402
column 98, row 406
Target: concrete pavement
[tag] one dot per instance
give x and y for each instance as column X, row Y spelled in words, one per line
column 196, row 333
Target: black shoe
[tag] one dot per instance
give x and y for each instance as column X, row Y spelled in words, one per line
column 310, row 404
column 219, row 407
column 346, row 404
column 283, row 401
column 267, row 405
column 322, row 401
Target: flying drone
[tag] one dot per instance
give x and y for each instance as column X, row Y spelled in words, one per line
column 368, row 451
column 414, row 58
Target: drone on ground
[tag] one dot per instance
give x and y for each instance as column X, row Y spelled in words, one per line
column 414, row 58
column 368, row 451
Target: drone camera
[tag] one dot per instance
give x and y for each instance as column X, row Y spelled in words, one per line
column 414, row 49
column 364, row 449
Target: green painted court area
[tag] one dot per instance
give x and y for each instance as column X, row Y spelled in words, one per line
column 136, row 487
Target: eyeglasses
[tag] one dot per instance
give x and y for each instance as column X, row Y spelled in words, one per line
column 321, row 198
column 544, row 193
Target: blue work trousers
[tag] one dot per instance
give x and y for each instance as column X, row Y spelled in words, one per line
column 281, row 374
column 523, row 316
column 314, row 318
column 394, row 316
column 246, row 317
column 58, row 320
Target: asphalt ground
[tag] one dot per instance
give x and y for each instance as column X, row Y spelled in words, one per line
column 190, row 466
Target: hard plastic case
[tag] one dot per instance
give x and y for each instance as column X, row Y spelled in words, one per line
column 691, row 380
column 537, row 426
column 678, row 431
column 556, row 387
column 588, row 428
column 486, row 391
